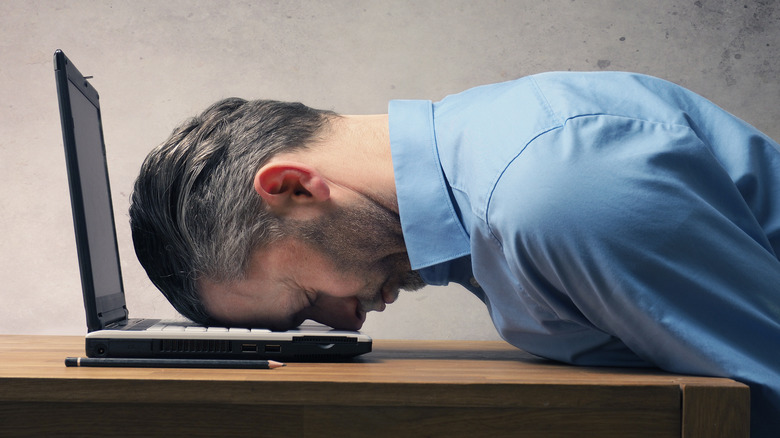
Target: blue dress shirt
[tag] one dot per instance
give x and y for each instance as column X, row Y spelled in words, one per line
column 604, row 219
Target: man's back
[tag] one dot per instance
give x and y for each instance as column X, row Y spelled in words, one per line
column 617, row 219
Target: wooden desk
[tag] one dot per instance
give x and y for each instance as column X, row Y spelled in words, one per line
column 402, row 389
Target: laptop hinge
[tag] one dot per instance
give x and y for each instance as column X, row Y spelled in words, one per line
column 114, row 317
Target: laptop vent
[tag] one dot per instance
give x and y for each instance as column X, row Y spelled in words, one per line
column 194, row 346
column 326, row 339
column 320, row 358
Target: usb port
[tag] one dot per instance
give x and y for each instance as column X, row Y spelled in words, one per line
column 249, row 348
column 273, row 348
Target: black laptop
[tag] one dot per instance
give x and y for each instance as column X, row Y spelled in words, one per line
column 111, row 332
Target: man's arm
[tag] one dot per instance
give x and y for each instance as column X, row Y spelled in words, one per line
column 646, row 236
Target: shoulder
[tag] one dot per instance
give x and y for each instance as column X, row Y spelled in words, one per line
column 593, row 175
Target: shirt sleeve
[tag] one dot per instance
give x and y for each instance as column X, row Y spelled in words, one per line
column 636, row 229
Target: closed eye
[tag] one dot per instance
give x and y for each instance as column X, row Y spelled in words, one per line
column 306, row 300
column 311, row 296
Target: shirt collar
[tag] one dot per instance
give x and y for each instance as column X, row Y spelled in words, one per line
column 432, row 231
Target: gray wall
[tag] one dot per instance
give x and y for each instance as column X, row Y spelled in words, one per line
column 159, row 62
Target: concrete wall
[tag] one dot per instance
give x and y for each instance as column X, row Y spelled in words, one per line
column 157, row 63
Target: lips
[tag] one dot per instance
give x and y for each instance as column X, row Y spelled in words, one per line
column 389, row 293
column 387, row 297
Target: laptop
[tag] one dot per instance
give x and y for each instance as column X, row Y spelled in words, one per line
column 111, row 333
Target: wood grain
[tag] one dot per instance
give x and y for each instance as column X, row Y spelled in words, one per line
column 403, row 388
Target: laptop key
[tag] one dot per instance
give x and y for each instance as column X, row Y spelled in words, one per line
column 217, row 329
column 195, row 328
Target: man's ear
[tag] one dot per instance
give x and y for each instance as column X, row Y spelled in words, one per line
column 288, row 184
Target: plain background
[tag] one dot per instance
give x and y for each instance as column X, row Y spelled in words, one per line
column 157, row 63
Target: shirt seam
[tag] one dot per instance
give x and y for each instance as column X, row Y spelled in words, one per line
column 558, row 120
column 555, row 128
column 557, row 123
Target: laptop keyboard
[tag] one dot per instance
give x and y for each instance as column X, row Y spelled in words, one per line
column 185, row 326
column 146, row 324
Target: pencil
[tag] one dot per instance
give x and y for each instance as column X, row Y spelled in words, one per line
column 170, row 363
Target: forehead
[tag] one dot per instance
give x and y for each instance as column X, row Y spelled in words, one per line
column 277, row 287
column 263, row 297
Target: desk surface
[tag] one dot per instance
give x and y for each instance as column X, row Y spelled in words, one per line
column 462, row 387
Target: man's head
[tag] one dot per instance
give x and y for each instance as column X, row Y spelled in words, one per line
column 193, row 213
column 213, row 224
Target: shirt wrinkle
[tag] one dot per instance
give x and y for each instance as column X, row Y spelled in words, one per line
column 443, row 182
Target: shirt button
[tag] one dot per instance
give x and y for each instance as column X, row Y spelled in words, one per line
column 473, row 282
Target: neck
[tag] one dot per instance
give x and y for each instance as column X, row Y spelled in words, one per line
column 354, row 154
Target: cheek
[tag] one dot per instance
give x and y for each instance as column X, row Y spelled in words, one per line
column 325, row 277
column 340, row 285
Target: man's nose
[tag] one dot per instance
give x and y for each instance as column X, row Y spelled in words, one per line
column 339, row 312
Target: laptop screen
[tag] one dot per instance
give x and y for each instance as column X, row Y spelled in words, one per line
column 95, row 195
column 93, row 216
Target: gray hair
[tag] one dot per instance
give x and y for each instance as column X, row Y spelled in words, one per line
column 194, row 213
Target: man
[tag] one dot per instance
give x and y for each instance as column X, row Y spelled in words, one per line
column 603, row 218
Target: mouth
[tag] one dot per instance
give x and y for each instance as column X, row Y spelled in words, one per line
column 378, row 303
column 374, row 306
column 387, row 294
